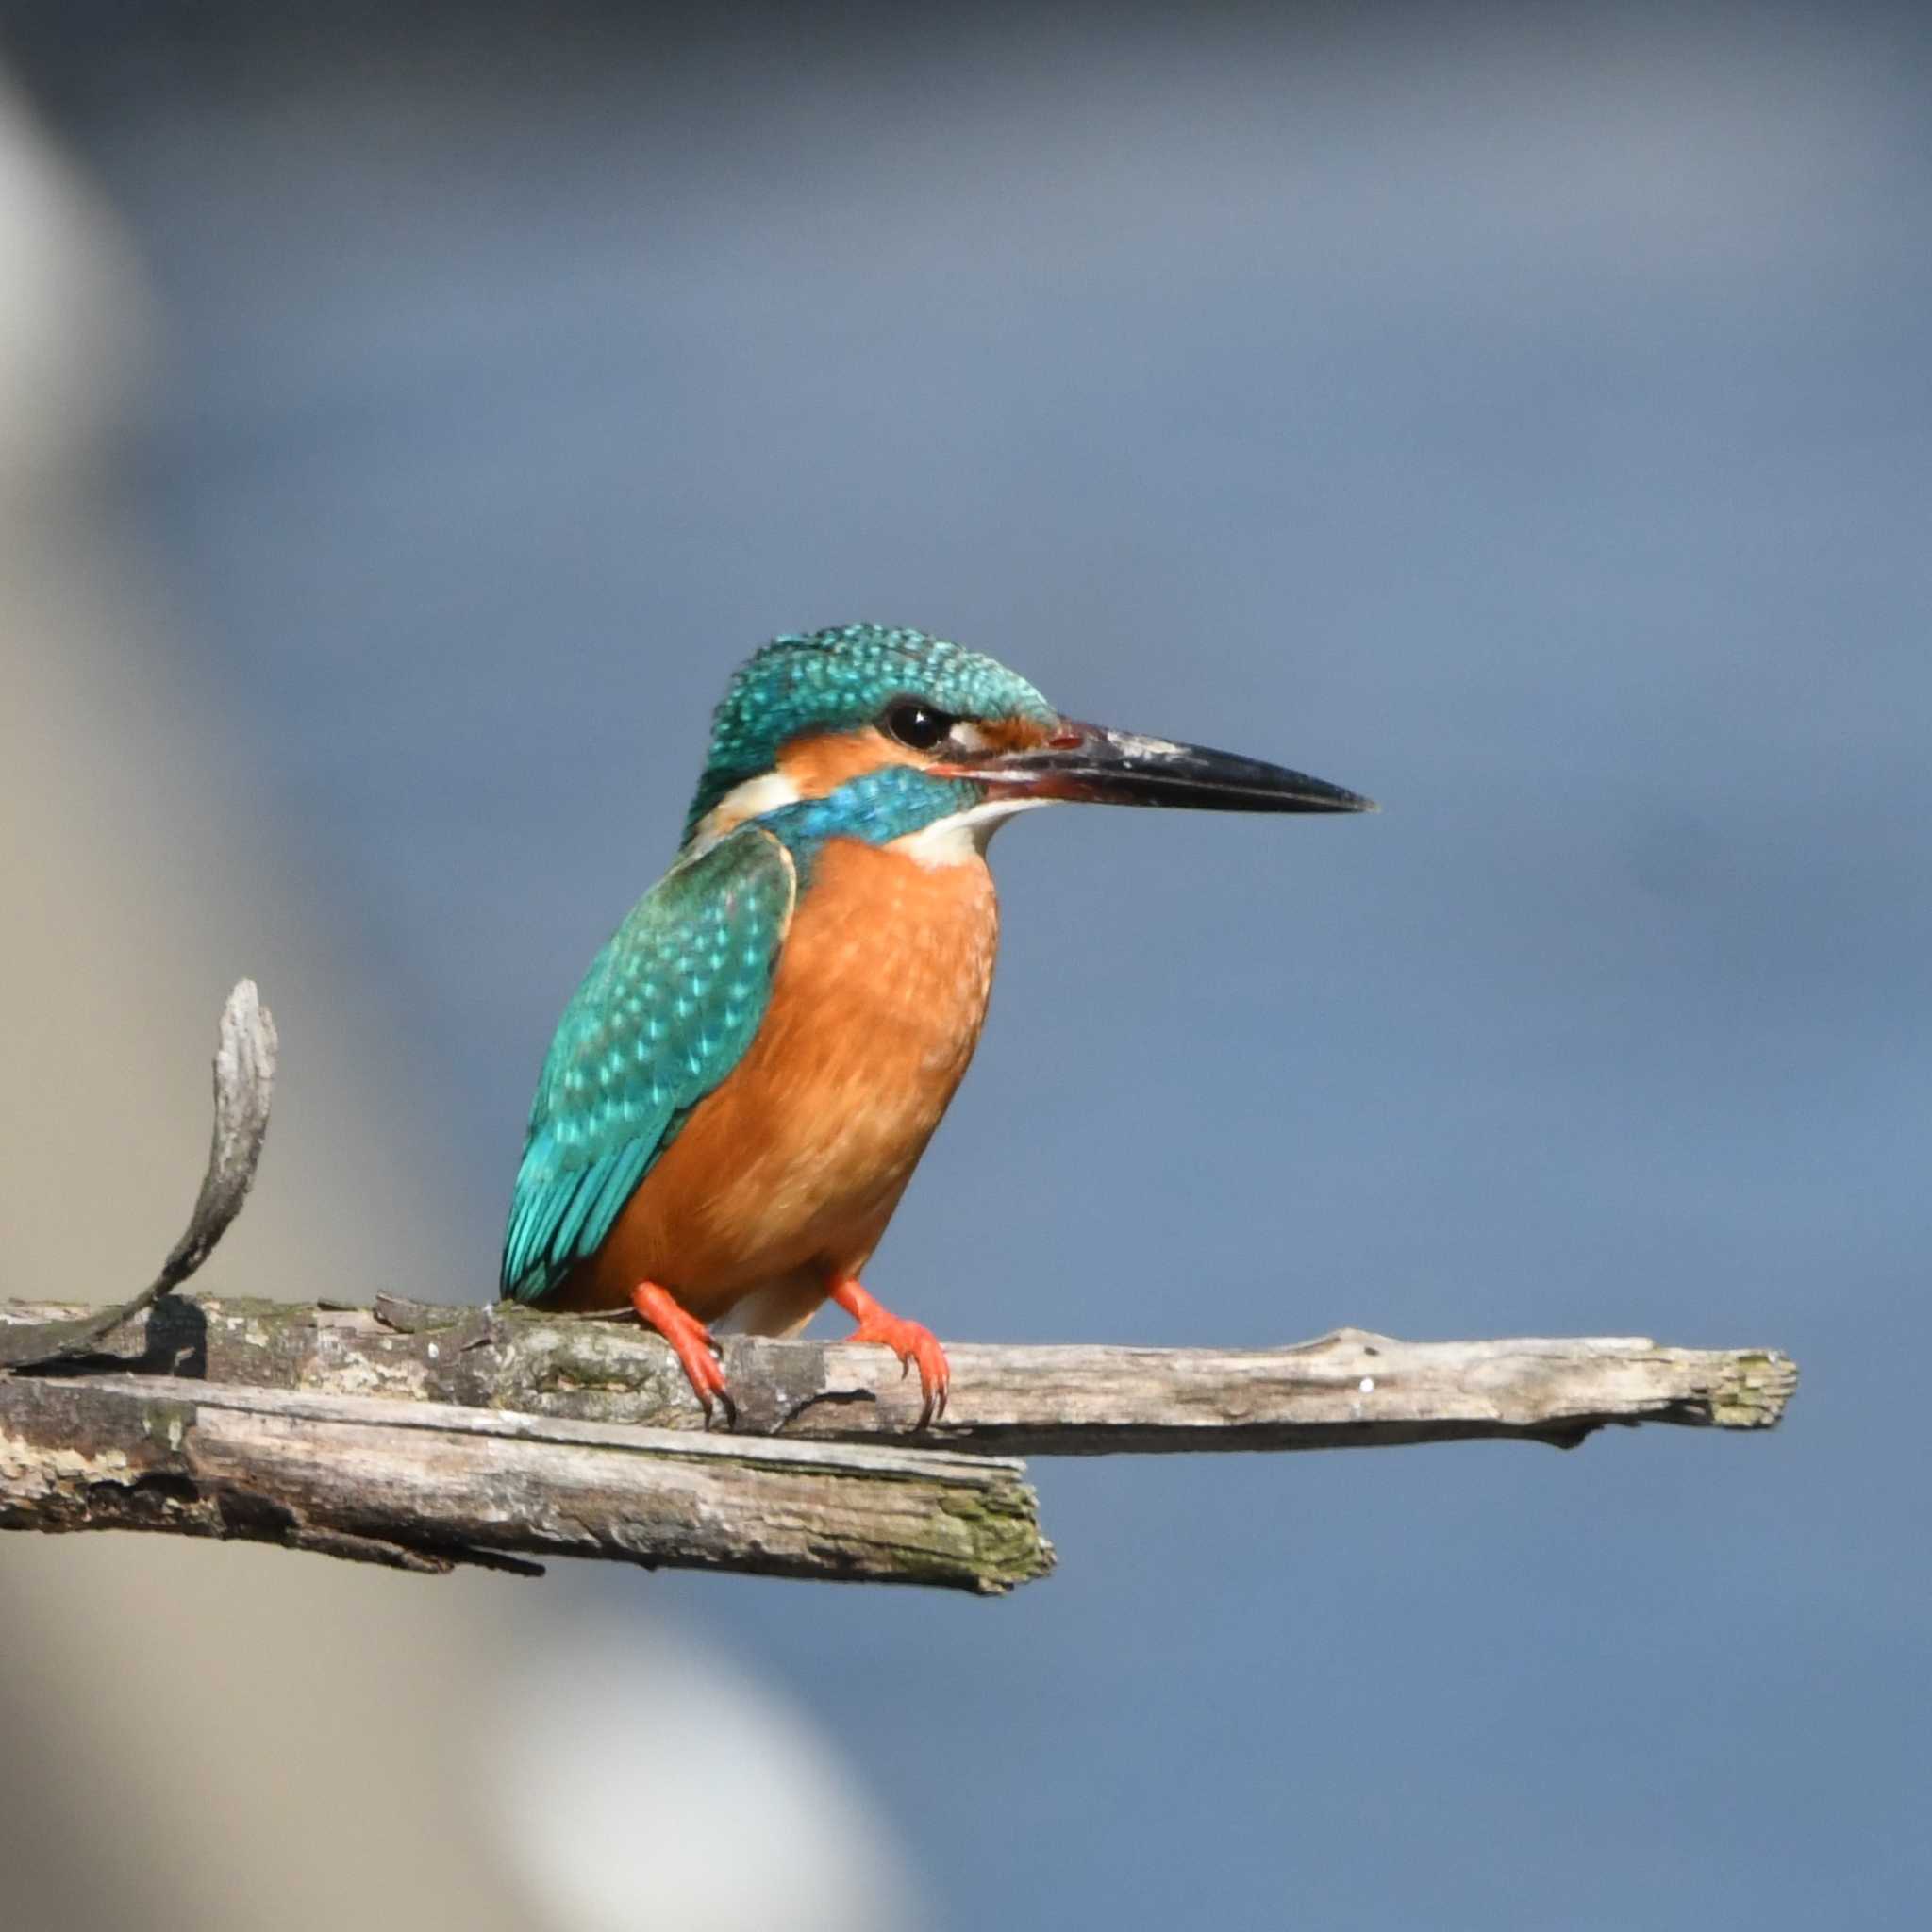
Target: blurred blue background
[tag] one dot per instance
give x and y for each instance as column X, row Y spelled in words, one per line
column 1522, row 415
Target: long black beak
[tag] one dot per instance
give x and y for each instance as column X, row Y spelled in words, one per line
column 1103, row 767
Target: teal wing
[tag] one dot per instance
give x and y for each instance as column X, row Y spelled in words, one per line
column 665, row 1012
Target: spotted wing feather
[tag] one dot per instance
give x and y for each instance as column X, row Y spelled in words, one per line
column 665, row 1012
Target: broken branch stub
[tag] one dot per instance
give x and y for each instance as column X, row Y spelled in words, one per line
column 244, row 1074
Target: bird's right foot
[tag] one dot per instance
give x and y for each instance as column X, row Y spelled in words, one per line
column 691, row 1341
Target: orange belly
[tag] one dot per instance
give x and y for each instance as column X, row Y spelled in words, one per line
column 782, row 1181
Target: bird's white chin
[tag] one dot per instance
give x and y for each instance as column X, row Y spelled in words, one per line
column 963, row 836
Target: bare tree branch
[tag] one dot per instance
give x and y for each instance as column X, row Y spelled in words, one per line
column 1348, row 1390
column 423, row 1486
column 424, row 1436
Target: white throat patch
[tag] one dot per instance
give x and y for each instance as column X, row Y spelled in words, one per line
column 954, row 840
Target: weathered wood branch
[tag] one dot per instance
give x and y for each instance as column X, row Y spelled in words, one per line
column 425, row 1486
column 423, row 1434
column 1348, row 1390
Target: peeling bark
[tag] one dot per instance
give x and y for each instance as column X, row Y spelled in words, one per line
column 426, row 1487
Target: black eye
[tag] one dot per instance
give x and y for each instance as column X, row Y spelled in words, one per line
column 916, row 724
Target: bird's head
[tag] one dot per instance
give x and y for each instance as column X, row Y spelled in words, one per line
column 807, row 715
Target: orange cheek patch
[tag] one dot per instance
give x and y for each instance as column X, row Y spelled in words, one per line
column 823, row 762
column 1013, row 734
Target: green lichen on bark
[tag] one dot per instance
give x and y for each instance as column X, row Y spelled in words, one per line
column 1754, row 1396
column 1003, row 1528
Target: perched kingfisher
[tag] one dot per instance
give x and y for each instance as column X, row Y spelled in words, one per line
column 739, row 1092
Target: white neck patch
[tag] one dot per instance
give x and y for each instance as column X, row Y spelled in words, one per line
column 963, row 836
column 750, row 799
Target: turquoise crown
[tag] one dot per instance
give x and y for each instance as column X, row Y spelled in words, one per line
column 840, row 679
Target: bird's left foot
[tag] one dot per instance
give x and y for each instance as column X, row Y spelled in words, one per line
column 914, row 1343
column 691, row 1342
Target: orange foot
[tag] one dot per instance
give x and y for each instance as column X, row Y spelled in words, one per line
column 691, row 1341
column 911, row 1342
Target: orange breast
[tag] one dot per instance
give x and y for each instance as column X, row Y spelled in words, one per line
column 783, row 1179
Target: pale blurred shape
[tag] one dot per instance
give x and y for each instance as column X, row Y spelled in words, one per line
column 711, row 1804
column 72, row 314
column 202, row 1739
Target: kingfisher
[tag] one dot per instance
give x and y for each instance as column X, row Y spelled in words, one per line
column 740, row 1089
